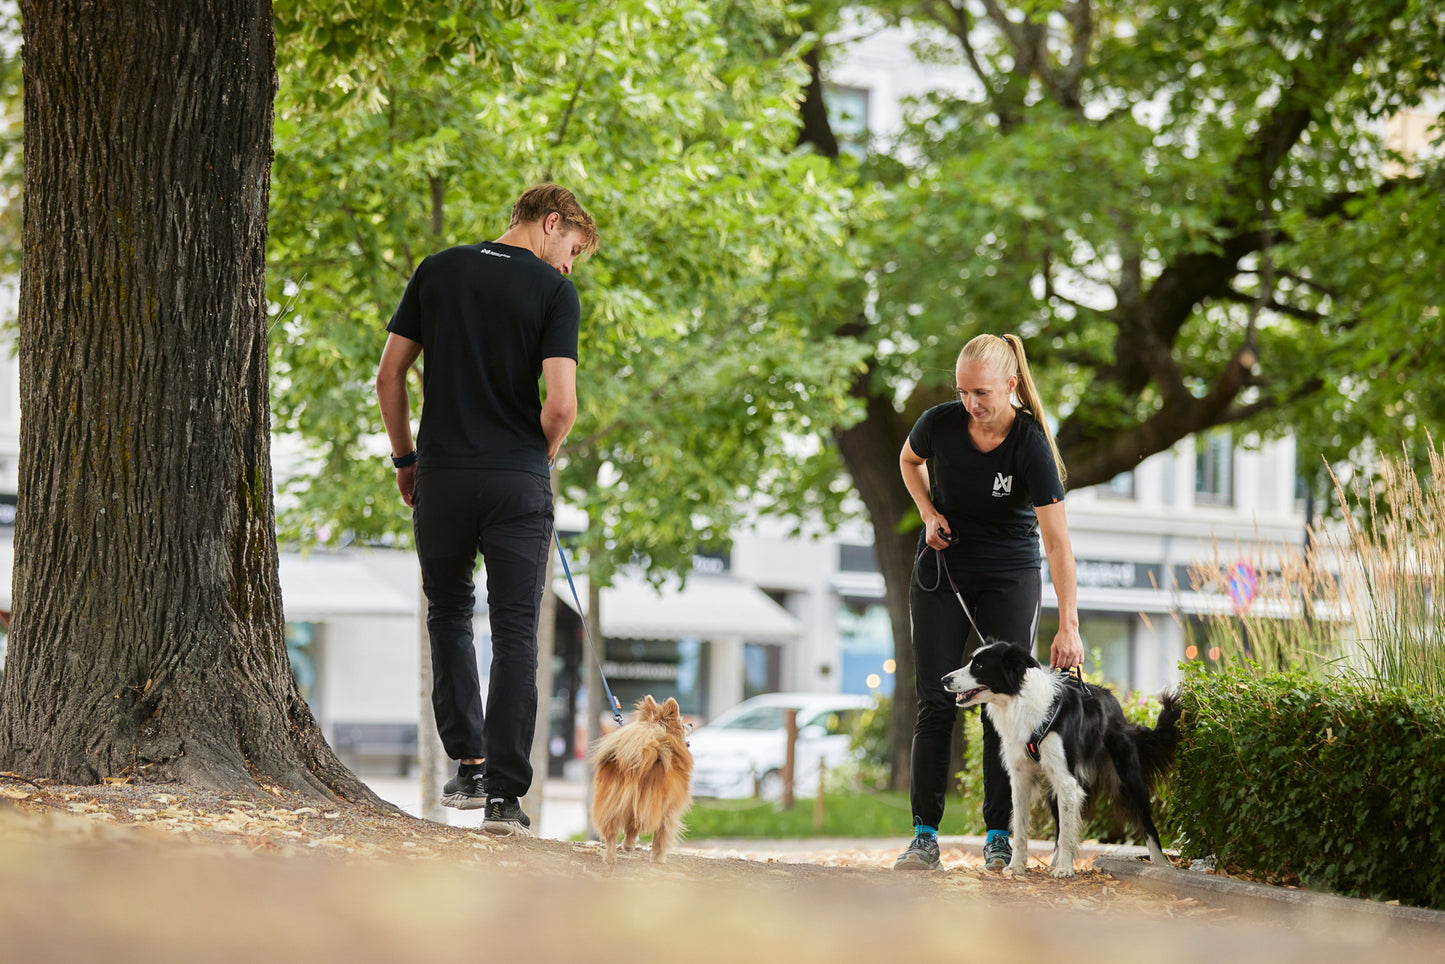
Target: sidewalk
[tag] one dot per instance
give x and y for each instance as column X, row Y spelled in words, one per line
column 564, row 817
column 564, row 805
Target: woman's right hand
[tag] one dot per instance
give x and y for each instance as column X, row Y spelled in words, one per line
column 936, row 527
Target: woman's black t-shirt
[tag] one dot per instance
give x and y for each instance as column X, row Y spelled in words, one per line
column 988, row 498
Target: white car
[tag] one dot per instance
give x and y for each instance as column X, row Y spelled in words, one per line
column 742, row 752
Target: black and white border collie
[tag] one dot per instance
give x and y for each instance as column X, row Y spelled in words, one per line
column 1089, row 746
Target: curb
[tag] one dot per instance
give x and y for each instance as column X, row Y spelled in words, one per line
column 1296, row 906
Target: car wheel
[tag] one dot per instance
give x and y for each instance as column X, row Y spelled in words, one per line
column 770, row 786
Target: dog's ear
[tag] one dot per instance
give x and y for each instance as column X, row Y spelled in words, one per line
column 1015, row 661
column 670, row 709
column 647, row 707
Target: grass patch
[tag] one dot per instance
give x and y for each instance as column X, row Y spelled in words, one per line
column 844, row 814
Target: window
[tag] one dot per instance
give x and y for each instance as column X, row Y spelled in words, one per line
column 302, row 651
column 762, row 669
column 1120, row 486
column 833, row 722
column 1108, row 648
column 853, row 558
column 865, row 646
column 848, row 117
column 1214, row 469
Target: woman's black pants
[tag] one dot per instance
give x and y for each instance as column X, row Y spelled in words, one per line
column 1006, row 607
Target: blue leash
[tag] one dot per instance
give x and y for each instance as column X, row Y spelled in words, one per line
column 611, row 700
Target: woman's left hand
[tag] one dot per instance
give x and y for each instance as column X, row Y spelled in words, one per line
column 1067, row 650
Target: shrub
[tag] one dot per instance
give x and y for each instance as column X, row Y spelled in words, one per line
column 1333, row 785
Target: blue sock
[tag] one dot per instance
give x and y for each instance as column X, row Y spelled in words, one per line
column 995, row 833
column 924, row 830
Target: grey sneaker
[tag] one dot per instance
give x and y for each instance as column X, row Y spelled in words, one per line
column 997, row 852
column 504, row 817
column 922, row 854
column 464, row 791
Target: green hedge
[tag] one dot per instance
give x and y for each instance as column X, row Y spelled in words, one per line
column 1293, row 780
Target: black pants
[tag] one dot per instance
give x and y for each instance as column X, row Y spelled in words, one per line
column 1006, row 607
column 507, row 517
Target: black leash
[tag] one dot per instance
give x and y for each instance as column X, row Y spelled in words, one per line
column 940, row 572
column 1073, row 676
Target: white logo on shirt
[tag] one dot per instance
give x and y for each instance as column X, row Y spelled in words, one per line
column 1002, row 485
column 495, row 254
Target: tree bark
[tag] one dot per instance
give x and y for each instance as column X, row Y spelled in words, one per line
column 148, row 632
column 870, row 451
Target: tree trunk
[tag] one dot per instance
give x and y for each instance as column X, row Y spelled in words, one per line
column 870, row 451
column 541, row 757
column 148, row 634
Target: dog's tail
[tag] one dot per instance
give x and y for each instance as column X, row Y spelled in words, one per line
column 1156, row 747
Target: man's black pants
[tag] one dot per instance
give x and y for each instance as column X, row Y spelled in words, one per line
column 507, row 517
column 1006, row 606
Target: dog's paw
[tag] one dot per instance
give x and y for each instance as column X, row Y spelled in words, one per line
column 1016, row 870
column 1062, row 872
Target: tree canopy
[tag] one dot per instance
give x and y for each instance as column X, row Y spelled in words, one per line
column 1188, row 212
column 674, row 123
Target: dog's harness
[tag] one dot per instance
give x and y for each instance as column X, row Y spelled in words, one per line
column 1073, row 677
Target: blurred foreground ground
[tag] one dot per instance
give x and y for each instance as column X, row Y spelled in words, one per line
column 157, row 874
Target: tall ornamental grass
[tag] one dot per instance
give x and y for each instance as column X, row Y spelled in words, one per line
column 1362, row 600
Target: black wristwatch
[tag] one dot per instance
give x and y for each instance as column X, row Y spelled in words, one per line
column 402, row 461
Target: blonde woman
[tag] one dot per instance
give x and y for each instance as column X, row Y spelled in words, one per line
column 998, row 484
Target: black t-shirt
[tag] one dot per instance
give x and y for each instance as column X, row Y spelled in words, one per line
column 486, row 315
column 988, row 498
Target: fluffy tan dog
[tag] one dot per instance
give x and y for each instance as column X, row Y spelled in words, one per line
column 642, row 780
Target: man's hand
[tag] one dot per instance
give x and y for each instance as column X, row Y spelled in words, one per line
column 406, row 483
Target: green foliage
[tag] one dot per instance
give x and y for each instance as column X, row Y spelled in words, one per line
column 1106, row 191
column 1294, row 780
column 674, row 123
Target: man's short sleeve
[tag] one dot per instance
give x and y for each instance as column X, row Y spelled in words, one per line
column 406, row 321
column 559, row 329
column 920, row 439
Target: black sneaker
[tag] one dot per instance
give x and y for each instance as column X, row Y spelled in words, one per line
column 464, row 791
column 996, row 852
column 922, row 854
column 504, row 817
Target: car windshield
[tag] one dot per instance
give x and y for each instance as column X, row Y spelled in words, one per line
column 758, row 718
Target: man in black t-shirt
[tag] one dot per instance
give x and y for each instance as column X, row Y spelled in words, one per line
column 491, row 320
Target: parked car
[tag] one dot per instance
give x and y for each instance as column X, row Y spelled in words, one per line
column 741, row 752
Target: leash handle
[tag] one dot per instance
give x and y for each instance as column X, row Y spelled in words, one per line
column 611, row 700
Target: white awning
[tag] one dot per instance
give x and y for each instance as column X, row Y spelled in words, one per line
column 708, row 607
column 320, row 586
column 323, row 586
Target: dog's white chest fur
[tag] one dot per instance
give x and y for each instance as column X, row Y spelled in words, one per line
column 1016, row 717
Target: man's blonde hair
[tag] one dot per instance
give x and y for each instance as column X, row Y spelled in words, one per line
column 538, row 202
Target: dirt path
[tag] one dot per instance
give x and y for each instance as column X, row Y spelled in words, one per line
column 161, row 873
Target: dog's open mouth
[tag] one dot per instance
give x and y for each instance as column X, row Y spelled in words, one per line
column 962, row 698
